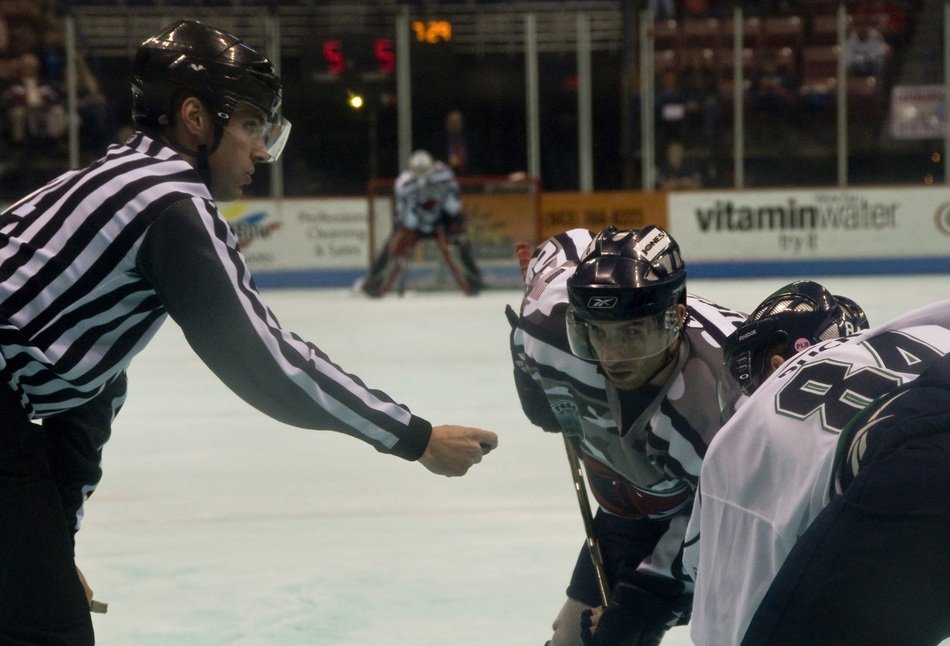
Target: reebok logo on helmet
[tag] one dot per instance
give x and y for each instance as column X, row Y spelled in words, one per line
column 602, row 302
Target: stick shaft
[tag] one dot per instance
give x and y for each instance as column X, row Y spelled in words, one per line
column 583, row 502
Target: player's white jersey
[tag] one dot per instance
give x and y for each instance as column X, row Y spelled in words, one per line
column 768, row 472
column 642, row 450
column 421, row 201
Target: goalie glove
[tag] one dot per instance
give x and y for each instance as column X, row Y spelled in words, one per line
column 634, row 617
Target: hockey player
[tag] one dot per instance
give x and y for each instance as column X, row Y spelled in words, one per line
column 824, row 504
column 428, row 205
column 94, row 262
column 611, row 351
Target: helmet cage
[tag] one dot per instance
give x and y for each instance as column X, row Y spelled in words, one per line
column 795, row 317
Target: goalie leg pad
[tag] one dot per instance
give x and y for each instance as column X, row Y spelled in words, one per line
column 390, row 263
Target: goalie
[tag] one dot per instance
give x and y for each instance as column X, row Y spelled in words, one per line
column 428, row 205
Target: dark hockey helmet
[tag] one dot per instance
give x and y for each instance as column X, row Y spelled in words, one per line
column 854, row 314
column 795, row 317
column 626, row 275
column 213, row 65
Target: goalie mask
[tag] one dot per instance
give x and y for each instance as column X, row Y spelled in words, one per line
column 193, row 59
column 420, row 163
column 624, row 303
column 793, row 318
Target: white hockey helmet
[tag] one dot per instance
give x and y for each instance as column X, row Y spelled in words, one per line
column 420, row 163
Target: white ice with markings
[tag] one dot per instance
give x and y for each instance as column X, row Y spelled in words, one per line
column 215, row 525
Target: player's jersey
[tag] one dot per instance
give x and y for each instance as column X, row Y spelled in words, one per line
column 642, row 450
column 768, row 473
column 421, row 201
column 92, row 265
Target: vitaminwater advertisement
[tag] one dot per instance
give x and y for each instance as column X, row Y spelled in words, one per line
column 902, row 223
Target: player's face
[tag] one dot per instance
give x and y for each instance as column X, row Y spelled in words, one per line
column 631, row 352
column 243, row 145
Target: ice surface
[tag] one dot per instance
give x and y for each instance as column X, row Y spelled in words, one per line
column 215, row 525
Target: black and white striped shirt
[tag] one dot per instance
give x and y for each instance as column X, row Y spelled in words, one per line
column 93, row 263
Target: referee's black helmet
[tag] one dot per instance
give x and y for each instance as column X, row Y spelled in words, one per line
column 211, row 64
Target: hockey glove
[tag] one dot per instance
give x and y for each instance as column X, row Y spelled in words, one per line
column 635, row 617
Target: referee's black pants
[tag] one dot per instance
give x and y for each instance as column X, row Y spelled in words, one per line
column 42, row 600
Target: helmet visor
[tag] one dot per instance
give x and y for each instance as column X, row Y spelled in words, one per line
column 249, row 124
column 620, row 341
column 275, row 136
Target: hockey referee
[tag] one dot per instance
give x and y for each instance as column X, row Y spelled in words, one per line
column 95, row 261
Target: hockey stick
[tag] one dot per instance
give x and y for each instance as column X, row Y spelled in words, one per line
column 593, row 545
column 523, row 252
column 94, row 606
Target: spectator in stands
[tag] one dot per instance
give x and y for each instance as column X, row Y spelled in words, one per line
column 701, row 95
column 52, row 52
column 694, row 9
column 670, row 106
column 865, row 50
column 457, row 145
column 674, row 173
column 774, row 88
column 35, row 111
column 94, row 127
column 887, row 16
column 662, row 9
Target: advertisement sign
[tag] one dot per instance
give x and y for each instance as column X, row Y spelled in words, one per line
column 918, row 112
column 498, row 221
column 832, row 224
column 595, row 211
column 302, row 234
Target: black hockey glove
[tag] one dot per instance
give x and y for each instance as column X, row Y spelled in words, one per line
column 634, row 617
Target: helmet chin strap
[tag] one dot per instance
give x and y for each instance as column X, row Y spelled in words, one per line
column 202, row 154
column 202, row 165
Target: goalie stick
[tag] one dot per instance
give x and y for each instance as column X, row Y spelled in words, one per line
column 523, row 251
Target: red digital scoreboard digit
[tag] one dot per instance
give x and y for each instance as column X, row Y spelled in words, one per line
column 377, row 56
